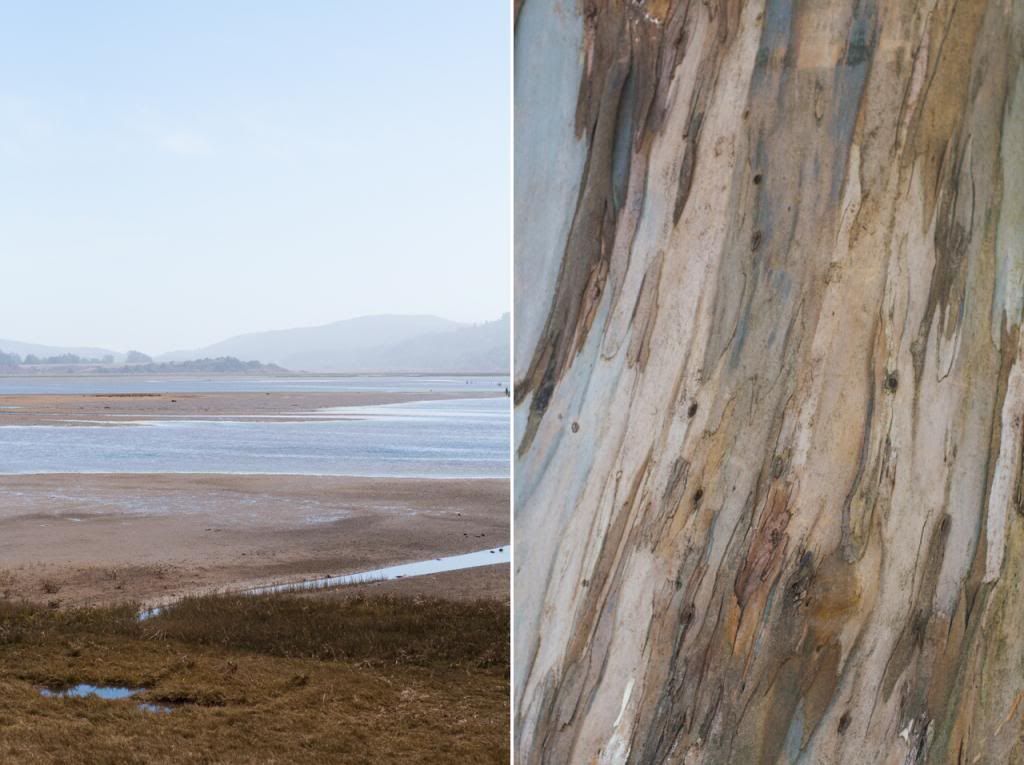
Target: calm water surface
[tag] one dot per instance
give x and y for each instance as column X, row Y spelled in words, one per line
column 72, row 384
column 458, row 438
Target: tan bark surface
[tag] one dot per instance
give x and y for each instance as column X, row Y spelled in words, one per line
column 770, row 381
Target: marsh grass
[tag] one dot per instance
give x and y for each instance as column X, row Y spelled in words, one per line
column 378, row 630
column 279, row 678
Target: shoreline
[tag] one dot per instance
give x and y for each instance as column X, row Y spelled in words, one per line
column 361, row 580
column 207, row 474
column 71, row 539
column 240, row 376
column 98, row 409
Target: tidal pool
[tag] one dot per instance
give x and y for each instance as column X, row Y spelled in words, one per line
column 107, row 692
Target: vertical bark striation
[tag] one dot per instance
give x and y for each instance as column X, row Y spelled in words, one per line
column 770, row 429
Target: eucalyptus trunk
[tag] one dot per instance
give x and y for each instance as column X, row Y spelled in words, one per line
column 769, row 279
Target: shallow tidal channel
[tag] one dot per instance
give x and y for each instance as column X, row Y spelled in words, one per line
column 490, row 557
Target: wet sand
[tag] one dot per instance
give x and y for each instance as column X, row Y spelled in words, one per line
column 77, row 539
column 59, row 409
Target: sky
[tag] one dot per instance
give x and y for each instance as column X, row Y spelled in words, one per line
column 172, row 174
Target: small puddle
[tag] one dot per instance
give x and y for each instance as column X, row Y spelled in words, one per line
column 490, row 557
column 107, row 692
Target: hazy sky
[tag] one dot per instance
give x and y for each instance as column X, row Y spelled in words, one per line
column 175, row 173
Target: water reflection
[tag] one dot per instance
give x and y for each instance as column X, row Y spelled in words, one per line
column 107, row 692
column 458, row 438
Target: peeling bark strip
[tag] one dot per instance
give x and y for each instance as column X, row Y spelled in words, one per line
column 769, row 491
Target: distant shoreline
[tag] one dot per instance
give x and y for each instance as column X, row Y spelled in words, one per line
column 75, row 409
column 92, row 372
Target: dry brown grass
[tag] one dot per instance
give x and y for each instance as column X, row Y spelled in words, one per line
column 381, row 630
column 279, row 679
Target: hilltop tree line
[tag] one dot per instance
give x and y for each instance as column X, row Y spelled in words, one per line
column 139, row 362
column 31, row 359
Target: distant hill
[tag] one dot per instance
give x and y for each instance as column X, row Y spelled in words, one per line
column 373, row 344
column 469, row 348
column 35, row 349
column 386, row 343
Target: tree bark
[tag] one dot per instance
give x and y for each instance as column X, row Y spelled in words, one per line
column 769, row 272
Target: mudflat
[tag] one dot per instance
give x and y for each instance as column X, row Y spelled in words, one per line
column 89, row 539
column 113, row 408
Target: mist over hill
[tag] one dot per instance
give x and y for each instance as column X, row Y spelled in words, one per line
column 470, row 348
column 386, row 343
column 44, row 351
